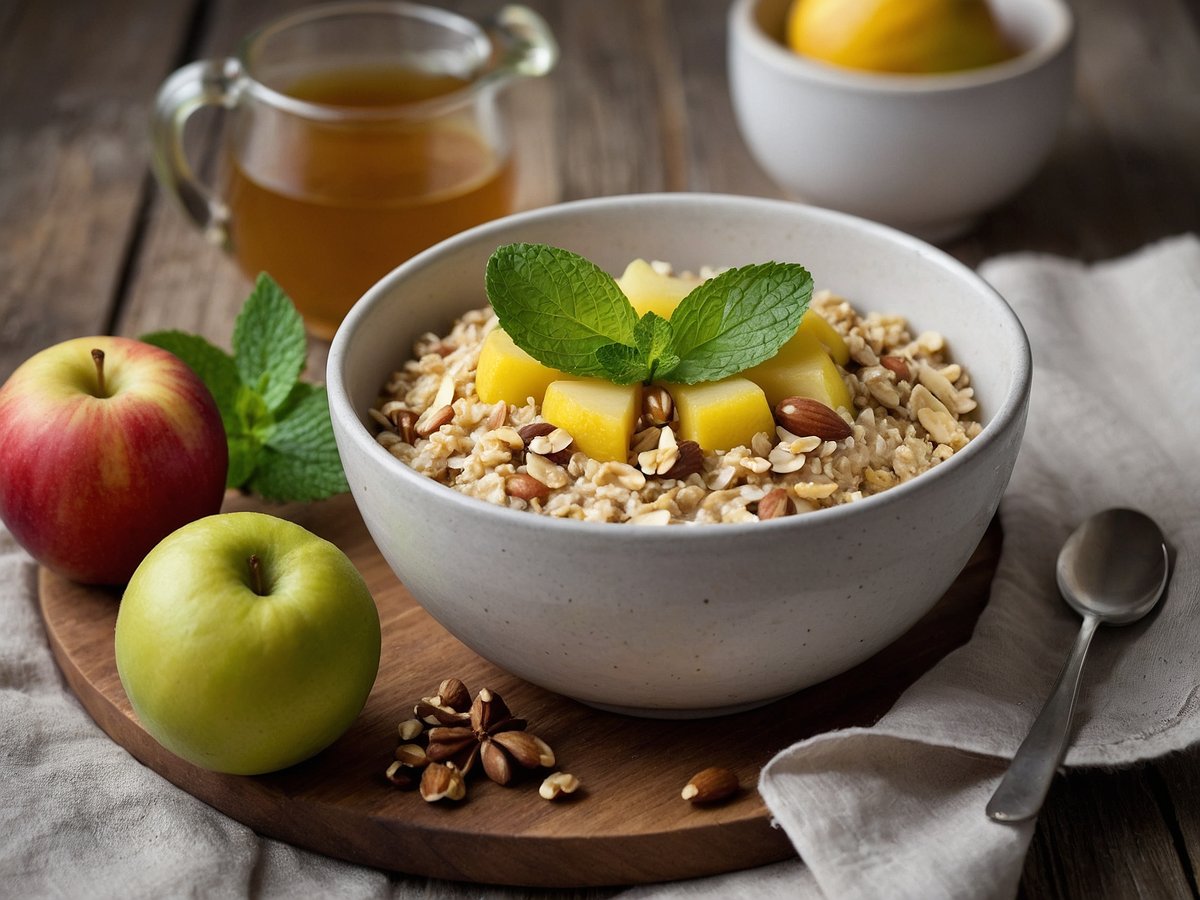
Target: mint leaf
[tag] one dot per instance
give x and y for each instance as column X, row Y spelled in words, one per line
column 622, row 364
column 278, row 429
column 655, row 337
column 737, row 319
column 269, row 343
column 212, row 365
column 558, row 307
column 300, row 459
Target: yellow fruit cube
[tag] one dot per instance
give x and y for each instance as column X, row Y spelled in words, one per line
column 650, row 292
column 508, row 373
column 815, row 324
column 802, row 368
column 598, row 415
column 721, row 415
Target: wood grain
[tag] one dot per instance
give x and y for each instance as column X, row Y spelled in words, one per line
column 628, row 825
column 73, row 93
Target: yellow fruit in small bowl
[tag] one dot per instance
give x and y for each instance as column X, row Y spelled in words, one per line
column 903, row 36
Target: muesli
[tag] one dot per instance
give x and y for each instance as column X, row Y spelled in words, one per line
column 911, row 411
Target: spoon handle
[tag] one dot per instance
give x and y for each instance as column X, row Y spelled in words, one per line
column 1027, row 781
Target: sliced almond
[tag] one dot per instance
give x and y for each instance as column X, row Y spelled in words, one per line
column 807, row 417
column 433, row 419
column 775, row 504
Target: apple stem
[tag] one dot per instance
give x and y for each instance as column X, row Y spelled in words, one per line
column 256, row 576
column 98, row 359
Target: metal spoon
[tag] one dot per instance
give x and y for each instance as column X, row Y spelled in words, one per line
column 1113, row 569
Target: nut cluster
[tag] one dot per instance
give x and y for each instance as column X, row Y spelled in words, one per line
column 465, row 731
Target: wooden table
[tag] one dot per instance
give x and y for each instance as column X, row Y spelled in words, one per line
column 638, row 103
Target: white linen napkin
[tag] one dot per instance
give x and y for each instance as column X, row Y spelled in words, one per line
column 895, row 810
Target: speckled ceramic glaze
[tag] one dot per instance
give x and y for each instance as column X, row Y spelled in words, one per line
column 684, row 620
column 927, row 153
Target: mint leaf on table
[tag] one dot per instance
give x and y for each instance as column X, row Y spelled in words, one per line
column 269, row 343
column 558, row 307
column 278, row 429
column 737, row 320
column 300, row 459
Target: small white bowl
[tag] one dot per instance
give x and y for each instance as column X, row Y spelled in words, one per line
column 684, row 620
column 925, row 153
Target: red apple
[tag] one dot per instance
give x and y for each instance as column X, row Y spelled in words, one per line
column 107, row 445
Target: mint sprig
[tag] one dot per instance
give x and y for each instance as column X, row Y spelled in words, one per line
column 280, row 437
column 569, row 314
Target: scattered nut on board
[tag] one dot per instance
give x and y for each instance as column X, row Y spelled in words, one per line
column 710, row 786
column 557, row 784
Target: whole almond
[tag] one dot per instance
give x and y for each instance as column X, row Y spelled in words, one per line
column 525, row 487
column 803, row 416
column 897, row 365
column 710, row 786
column 776, row 504
column 454, row 694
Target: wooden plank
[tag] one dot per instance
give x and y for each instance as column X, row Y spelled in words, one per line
column 717, row 157
column 1101, row 835
column 1126, row 169
column 1180, row 776
column 74, row 89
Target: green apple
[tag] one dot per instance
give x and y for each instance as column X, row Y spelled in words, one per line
column 246, row 643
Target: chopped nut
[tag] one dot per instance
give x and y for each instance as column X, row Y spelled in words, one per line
column 411, row 755
column 525, row 487
column 657, row 405
column 549, row 441
column 776, row 504
column 442, row 781
column 897, row 365
column 454, row 694
column 662, row 459
column 498, row 416
column 432, row 711
column 548, row 473
column 710, row 786
column 652, row 517
column 557, row 784
column 528, row 750
column 690, row 461
column 401, row 776
column 410, row 728
column 433, row 419
column 405, row 422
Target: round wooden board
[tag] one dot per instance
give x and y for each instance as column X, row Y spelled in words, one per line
column 627, row 825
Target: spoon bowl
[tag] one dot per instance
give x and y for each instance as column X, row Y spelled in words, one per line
column 1114, row 566
column 1112, row 569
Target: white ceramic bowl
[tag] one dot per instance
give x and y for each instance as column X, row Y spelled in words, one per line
column 926, row 153
column 684, row 621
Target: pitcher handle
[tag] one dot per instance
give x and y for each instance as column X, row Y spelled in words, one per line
column 525, row 44
column 210, row 82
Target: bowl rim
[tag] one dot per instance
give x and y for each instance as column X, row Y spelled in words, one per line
column 1008, row 412
column 744, row 27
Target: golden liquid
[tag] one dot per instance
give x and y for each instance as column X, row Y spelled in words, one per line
column 348, row 203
